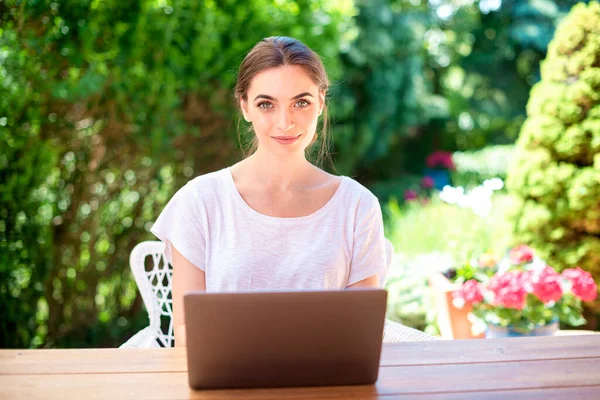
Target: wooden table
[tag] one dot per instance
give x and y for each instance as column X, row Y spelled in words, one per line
column 525, row 368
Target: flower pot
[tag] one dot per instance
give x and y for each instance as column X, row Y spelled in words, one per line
column 496, row 331
column 453, row 322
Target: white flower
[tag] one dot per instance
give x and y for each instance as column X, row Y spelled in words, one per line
column 458, row 302
column 478, row 199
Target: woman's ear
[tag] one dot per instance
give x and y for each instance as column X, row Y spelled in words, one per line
column 321, row 101
column 244, row 107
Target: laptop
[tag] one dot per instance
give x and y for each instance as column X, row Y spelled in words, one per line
column 284, row 339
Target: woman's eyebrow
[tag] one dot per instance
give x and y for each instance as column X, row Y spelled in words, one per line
column 266, row 96
column 302, row 95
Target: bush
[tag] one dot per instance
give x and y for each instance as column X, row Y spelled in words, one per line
column 25, row 162
column 555, row 174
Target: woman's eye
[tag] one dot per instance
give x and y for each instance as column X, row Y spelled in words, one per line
column 264, row 105
column 302, row 103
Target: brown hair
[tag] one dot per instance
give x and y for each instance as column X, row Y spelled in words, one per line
column 276, row 51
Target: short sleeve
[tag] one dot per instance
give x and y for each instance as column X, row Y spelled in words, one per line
column 368, row 250
column 180, row 224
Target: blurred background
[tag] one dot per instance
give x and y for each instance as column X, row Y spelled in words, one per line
column 108, row 107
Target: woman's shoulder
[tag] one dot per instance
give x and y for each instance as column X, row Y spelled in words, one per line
column 205, row 186
column 209, row 179
column 359, row 193
column 351, row 189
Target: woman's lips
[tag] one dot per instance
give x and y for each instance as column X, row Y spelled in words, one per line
column 286, row 139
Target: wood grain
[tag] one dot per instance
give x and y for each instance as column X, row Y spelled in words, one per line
column 402, row 380
column 393, row 354
column 490, row 350
column 80, row 361
column 554, row 393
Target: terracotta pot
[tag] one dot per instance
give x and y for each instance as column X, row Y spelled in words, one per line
column 452, row 322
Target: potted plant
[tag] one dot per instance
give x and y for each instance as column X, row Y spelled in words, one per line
column 455, row 322
column 523, row 296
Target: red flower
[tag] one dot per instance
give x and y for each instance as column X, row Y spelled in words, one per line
column 521, row 254
column 584, row 286
column 441, row 159
column 509, row 289
column 427, row 182
column 410, row 195
column 470, row 292
column 546, row 285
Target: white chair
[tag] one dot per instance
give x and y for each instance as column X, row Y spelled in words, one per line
column 154, row 284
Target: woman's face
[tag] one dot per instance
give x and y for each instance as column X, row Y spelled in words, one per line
column 283, row 105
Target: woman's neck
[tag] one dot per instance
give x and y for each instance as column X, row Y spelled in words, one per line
column 277, row 172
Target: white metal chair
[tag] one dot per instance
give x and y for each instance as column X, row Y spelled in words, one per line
column 154, row 284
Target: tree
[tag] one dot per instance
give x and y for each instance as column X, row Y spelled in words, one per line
column 555, row 174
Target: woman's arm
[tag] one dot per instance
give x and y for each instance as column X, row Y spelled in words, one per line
column 186, row 277
column 369, row 257
column 372, row 281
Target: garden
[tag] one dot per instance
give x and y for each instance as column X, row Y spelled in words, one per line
column 475, row 123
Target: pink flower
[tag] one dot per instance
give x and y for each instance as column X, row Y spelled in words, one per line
column 546, row 285
column 584, row 286
column 441, row 159
column 509, row 289
column 410, row 195
column 427, row 182
column 470, row 292
column 521, row 254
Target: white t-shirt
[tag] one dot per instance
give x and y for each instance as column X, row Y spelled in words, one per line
column 240, row 249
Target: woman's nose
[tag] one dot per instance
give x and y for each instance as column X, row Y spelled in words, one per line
column 285, row 122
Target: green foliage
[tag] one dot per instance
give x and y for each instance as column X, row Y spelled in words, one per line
column 471, row 269
column 555, row 174
column 493, row 61
column 25, row 214
column 383, row 92
column 468, row 70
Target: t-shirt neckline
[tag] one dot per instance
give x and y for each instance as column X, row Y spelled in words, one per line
column 239, row 199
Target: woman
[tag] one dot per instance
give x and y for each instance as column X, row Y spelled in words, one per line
column 274, row 220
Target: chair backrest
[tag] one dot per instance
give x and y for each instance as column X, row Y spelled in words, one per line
column 154, row 284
